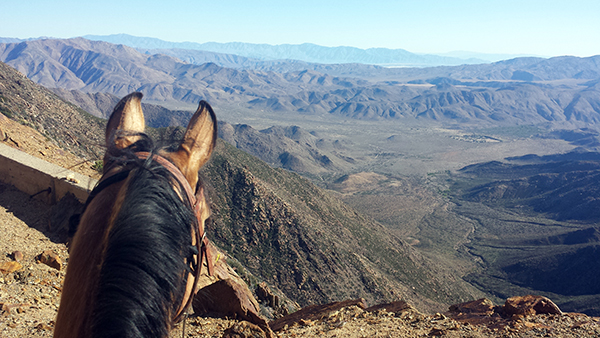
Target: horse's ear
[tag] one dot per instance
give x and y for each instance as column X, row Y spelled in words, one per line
column 198, row 143
column 126, row 120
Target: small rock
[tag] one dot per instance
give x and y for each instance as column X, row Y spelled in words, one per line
column 9, row 267
column 438, row 316
column 43, row 327
column 17, row 256
column 437, row 332
column 71, row 178
column 51, row 259
column 305, row 322
column 20, row 308
column 244, row 330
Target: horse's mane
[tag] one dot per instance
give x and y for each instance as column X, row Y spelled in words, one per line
column 141, row 282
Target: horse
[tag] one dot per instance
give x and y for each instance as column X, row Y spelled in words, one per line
column 139, row 245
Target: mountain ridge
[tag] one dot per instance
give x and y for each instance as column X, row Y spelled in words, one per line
column 292, row 148
column 306, row 52
column 501, row 93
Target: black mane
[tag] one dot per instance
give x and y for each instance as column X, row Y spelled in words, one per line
column 141, row 283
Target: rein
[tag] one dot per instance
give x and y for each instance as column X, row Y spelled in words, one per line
column 198, row 233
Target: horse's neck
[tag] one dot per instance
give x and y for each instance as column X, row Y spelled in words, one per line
column 84, row 267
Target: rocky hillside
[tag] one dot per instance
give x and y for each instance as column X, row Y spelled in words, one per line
column 562, row 186
column 269, row 219
column 35, row 106
column 292, row 148
column 102, row 104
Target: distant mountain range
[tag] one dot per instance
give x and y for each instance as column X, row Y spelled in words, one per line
column 306, row 52
column 524, row 90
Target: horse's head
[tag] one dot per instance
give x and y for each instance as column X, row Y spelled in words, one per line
column 127, row 122
column 139, row 237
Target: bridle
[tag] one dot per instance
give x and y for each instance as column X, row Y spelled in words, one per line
column 198, row 234
column 114, row 175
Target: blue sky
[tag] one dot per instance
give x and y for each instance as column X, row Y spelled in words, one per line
column 545, row 28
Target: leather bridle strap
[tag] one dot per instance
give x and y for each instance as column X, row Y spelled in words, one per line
column 200, row 235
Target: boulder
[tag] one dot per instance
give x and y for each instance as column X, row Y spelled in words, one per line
column 530, row 305
column 476, row 312
column 227, row 298
column 314, row 312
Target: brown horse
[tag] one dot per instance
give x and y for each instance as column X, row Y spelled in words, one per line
column 141, row 235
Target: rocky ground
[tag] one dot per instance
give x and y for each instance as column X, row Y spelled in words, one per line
column 33, row 259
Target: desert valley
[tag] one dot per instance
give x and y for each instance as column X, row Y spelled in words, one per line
column 341, row 180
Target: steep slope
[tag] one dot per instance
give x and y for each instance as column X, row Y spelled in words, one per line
column 65, row 124
column 80, row 63
column 314, row 247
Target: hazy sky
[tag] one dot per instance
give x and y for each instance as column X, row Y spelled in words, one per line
column 540, row 27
